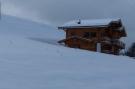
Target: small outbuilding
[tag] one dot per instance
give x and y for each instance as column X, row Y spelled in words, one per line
column 102, row 35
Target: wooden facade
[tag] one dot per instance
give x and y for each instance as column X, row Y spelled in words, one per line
column 89, row 37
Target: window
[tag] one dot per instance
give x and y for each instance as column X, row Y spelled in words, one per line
column 90, row 34
column 93, row 34
column 86, row 35
column 72, row 34
column 103, row 34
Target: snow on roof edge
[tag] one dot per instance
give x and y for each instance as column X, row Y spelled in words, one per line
column 89, row 23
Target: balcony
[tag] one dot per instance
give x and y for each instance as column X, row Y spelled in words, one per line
column 119, row 43
column 113, row 42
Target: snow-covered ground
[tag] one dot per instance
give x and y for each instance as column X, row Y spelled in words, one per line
column 30, row 58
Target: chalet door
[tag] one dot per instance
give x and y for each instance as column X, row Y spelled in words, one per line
column 98, row 47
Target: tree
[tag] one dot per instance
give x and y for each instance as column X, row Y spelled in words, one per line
column 131, row 51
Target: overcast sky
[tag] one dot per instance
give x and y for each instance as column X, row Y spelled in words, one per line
column 56, row 12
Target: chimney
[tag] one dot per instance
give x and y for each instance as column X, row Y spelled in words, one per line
column 79, row 21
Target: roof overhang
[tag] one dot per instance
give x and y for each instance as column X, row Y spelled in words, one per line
column 70, row 27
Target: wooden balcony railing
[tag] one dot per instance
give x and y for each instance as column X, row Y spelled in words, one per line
column 113, row 42
column 119, row 43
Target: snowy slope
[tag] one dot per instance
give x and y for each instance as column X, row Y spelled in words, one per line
column 29, row 60
column 12, row 25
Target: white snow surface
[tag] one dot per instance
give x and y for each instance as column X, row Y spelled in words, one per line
column 30, row 58
column 92, row 22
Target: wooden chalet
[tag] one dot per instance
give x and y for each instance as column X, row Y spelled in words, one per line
column 101, row 35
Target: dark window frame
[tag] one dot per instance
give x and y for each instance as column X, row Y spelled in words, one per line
column 72, row 34
column 90, row 34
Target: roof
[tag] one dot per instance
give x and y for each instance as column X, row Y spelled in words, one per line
column 89, row 23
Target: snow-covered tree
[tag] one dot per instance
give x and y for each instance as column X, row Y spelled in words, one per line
column 131, row 51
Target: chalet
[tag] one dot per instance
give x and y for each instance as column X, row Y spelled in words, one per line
column 101, row 35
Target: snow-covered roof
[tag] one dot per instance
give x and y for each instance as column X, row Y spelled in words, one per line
column 89, row 23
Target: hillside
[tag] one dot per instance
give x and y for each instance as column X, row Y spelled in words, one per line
column 30, row 58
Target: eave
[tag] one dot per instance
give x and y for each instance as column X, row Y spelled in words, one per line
column 70, row 27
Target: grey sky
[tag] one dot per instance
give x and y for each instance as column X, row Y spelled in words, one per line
column 56, row 12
